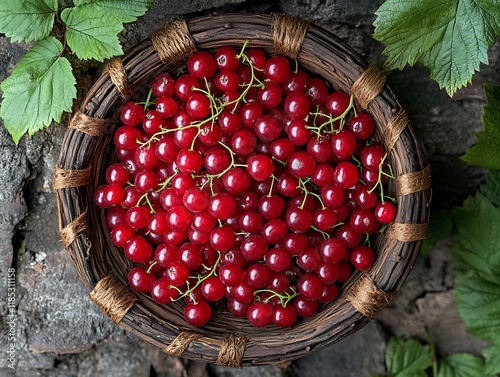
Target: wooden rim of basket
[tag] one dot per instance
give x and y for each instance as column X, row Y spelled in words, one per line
column 228, row 340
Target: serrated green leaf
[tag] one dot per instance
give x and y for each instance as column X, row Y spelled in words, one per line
column 407, row 358
column 491, row 188
column 90, row 34
column 461, row 365
column 124, row 10
column 486, row 152
column 440, row 226
column 477, row 241
column 39, row 90
column 492, row 364
column 451, row 37
column 478, row 303
column 27, row 20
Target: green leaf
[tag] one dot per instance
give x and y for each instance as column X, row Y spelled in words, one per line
column 27, row 20
column 461, row 365
column 477, row 241
column 486, row 152
column 124, row 10
column 407, row 358
column 39, row 89
column 451, row 37
column 92, row 34
column 491, row 189
column 492, row 364
column 478, row 303
column 440, row 226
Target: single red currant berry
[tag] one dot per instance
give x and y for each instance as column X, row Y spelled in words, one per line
column 333, row 250
column 278, row 259
column 126, row 137
column 362, row 220
column 201, row 64
column 297, row 82
column 197, row 314
column 179, row 218
column 337, row 103
column 349, row 235
column 346, row 174
column 222, row 238
column 163, row 85
column 162, row 291
column 213, row 289
column 298, row 219
column 362, row 257
column 330, row 291
column 166, row 107
column 140, row 280
column 277, row 69
column 297, row 105
column 267, row 128
column 254, row 247
column 385, row 212
column 198, row 106
column 184, row 86
column 260, row 167
column 362, row 126
column 138, row 249
column 343, row 144
column 221, row 206
column 270, row 95
column 260, row 314
column 178, row 273
column 372, row 156
column 301, row 164
column 231, row 274
column 249, row 113
column 131, row 113
column 317, row 91
column 284, row 316
column 227, row 58
column 243, row 142
column 189, row 161
column 305, row 308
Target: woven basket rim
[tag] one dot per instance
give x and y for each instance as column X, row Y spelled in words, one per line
column 224, row 341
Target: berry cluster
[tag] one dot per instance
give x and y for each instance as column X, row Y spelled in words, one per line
column 246, row 180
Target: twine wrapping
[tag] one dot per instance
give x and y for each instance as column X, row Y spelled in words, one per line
column 181, row 342
column 96, row 127
column 70, row 232
column 118, row 76
column 113, row 298
column 367, row 298
column 173, row 42
column 368, row 86
column 407, row 232
column 410, row 183
column 72, row 178
column 394, row 129
column 288, row 34
column 231, row 351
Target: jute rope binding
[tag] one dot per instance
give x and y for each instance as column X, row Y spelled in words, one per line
column 181, row 342
column 288, row 34
column 71, row 231
column 173, row 42
column 72, row 178
column 367, row 298
column 231, row 351
column 96, row 127
column 368, row 86
column 113, row 298
column 118, row 76
column 410, row 183
column 394, row 129
column 407, row 232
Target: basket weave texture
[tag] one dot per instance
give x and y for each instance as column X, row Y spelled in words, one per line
column 227, row 340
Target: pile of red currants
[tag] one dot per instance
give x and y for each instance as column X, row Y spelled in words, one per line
column 247, row 181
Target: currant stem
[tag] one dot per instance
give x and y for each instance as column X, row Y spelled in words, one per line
column 200, row 278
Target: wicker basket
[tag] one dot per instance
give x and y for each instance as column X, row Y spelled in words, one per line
column 227, row 340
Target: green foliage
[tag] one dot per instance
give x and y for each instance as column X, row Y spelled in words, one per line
column 477, row 282
column 407, row 358
column 91, row 35
column 450, row 37
column 477, row 245
column 42, row 85
column 486, row 152
column 440, row 226
column 27, row 20
column 461, row 365
column 39, row 89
